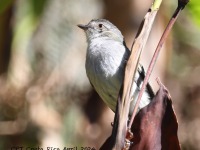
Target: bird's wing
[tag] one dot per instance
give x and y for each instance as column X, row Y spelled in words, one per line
column 142, row 76
column 141, row 79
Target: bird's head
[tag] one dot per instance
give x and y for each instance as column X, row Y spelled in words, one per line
column 101, row 28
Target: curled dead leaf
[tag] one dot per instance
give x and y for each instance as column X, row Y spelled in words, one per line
column 155, row 126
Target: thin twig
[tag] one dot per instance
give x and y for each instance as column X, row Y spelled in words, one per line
column 181, row 5
column 131, row 67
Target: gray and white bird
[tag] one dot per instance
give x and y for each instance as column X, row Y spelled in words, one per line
column 106, row 58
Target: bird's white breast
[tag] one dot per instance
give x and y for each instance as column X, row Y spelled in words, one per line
column 105, row 64
column 105, row 68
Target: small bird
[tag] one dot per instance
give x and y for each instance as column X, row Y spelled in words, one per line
column 106, row 59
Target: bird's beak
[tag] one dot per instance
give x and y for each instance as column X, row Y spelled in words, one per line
column 84, row 27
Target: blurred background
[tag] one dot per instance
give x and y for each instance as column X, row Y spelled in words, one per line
column 46, row 99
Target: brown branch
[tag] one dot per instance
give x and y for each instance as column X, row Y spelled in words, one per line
column 181, row 5
column 131, row 67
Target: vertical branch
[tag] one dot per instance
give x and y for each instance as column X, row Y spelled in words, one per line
column 181, row 5
column 131, row 67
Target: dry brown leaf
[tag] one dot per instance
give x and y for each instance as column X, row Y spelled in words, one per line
column 155, row 126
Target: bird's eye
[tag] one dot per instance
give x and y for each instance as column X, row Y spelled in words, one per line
column 100, row 25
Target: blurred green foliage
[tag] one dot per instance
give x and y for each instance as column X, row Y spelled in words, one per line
column 4, row 4
column 194, row 8
column 37, row 6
